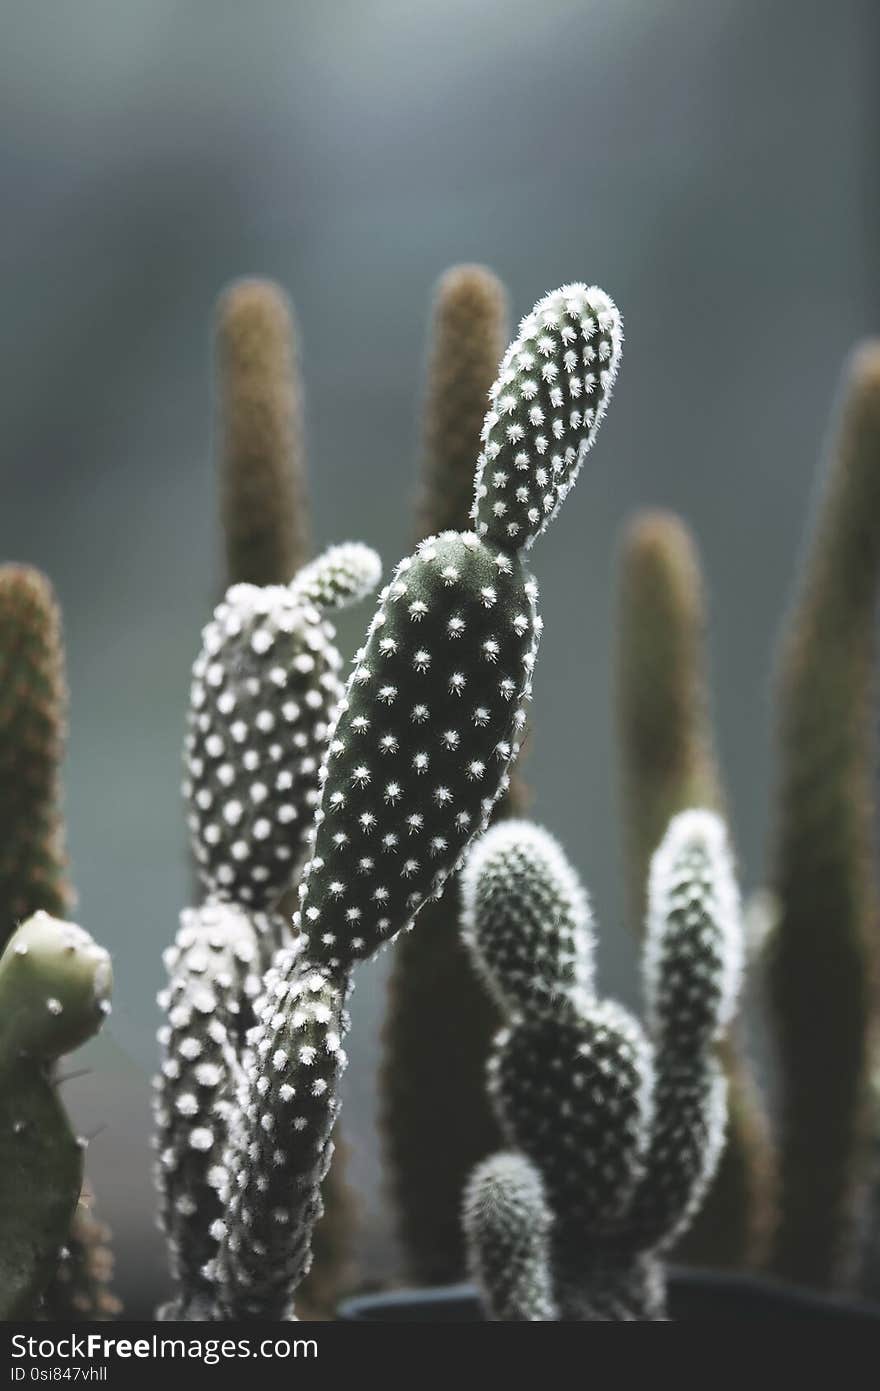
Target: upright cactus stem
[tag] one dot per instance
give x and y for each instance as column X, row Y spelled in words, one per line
column 823, row 955
column 417, row 758
column 436, row 1121
column 33, row 702
column 668, row 763
column 506, row 1213
column 54, row 994
column 469, row 335
column 262, row 456
column 623, row 1129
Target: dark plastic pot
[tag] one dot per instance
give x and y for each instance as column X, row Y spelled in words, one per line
column 694, row 1296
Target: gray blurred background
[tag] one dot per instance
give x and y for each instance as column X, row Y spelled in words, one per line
column 714, row 166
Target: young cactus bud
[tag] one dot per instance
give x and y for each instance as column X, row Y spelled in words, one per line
column 264, row 690
column 55, row 984
column 526, row 918
column 547, row 404
column 507, row 1225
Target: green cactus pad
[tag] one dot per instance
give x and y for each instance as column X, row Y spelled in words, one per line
column 552, row 391
column 429, row 725
column 265, row 687
column 54, row 994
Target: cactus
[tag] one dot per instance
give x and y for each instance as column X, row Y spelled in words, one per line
column 54, row 993
column 418, row 756
column 33, row 859
column 822, row 957
column 264, row 690
column 215, row 972
column 668, row 764
column 262, row 464
column 280, row 1142
column 33, row 701
column 624, row 1129
column 506, row 1213
column 436, row 1121
column 432, row 714
column 265, row 686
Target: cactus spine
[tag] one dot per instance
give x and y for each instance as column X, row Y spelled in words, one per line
column 448, row 659
column 435, row 1117
column 823, row 953
column 668, row 764
column 623, row 1129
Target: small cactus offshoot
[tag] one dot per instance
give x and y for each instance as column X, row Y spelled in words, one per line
column 623, row 1127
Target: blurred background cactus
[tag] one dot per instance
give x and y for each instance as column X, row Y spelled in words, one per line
column 33, row 880
column 440, row 1019
column 824, row 953
column 668, row 763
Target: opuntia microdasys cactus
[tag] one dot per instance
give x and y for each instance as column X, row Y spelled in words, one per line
column 54, row 994
column 215, row 970
column 623, row 1128
column 417, row 758
column 433, row 711
column 265, row 687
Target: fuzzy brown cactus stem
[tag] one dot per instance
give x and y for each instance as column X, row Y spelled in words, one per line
column 668, row 764
column 33, row 702
column 823, row 955
column 262, row 465
column 436, row 1119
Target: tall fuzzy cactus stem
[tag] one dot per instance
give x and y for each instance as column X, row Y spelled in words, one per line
column 33, row 702
column 667, row 759
column 215, row 969
column 265, row 686
column 262, row 455
column 54, row 994
column 823, row 956
column 507, row 1224
column 436, row 1120
column 551, row 393
column 526, row 918
column 469, row 334
column 280, row 1147
column 624, row 1132
column 668, row 764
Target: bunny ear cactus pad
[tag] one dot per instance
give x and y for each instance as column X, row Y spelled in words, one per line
column 552, row 391
column 434, row 708
column 265, row 686
column 54, row 993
